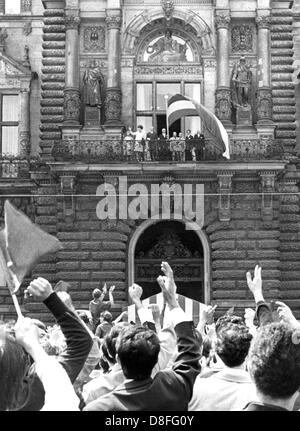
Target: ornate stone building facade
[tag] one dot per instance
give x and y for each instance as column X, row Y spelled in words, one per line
column 83, row 70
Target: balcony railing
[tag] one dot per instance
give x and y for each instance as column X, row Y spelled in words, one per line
column 114, row 151
column 17, row 167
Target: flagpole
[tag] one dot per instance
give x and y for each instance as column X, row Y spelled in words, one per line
column 167, row 119
column 14, row 287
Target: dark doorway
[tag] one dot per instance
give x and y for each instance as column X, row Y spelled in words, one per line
column 162, row 123
column 170, row 241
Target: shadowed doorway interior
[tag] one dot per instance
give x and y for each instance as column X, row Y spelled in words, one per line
column 170, row 241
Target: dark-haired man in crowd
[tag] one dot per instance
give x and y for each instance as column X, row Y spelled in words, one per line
column 274, row 356
column 230, row 388
column 137, row 351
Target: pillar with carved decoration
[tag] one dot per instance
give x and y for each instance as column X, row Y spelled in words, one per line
column 113, row 102
column 264, row 93
column 223, row 92
column 71, row 92
column 24, row 134
column 268, row 189
column 225, row 189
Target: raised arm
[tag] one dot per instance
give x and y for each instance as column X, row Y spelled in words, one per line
column 78, row 340
column 263, row 312
column 186, row 366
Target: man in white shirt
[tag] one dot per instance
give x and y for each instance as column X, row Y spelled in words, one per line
column 230, row 388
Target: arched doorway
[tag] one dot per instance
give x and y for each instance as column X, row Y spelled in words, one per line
column 186, row 250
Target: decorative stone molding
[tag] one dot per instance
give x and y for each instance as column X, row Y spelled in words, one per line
column 264, row 104
column 27, row 29
column 263, row 21
column 169, row 70
column 242, row 38
column 168, row 8
column 223, row 104
column 24, row 143
column 26, row 5
column 268, row 188
column 72, row 105
column 113, row 104
column 224, row 190
column 68, row 190
column 72, row 22
column 94, row 39
column 113, row 21
column 222, row 21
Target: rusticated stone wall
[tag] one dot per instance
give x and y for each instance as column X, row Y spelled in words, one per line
column 241, row 243
column 53, row 80
column 283, row 88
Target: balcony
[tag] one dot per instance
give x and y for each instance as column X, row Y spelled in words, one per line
column 17, row 167
column 114, row 151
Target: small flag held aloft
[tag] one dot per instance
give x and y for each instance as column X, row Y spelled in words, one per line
column 22, row 244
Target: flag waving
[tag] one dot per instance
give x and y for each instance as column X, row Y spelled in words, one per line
column 181, row 106
column 22, row 244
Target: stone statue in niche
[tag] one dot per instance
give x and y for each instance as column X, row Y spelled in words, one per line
column 241, row 83
column 167, row 49
column 93, row 83
column 93, row 88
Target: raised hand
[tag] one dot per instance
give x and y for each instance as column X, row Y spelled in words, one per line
column 255, row 284
column 167, row 270
column 168, row 285
column 39, row 289
column 112, row 288
column 104, row 290
column 135, row 292
column 286, row 314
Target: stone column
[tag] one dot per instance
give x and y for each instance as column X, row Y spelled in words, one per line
column 113, row 102
column 71, row 92
column 223, row 92
column 24, row 132
column 264, row 94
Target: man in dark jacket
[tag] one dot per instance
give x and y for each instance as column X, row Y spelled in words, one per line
column 138, row 348
column 77, row 339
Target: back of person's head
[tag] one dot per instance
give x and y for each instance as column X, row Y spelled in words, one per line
column 137, row 349
column 274, row 360
column 84, row 317
column 107, row 316
column 233, row 340
column 206, row 346
column 96, row 293
column 110, row 340
column 14, row 363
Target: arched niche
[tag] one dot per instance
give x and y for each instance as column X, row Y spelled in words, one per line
column 205, row 246
column 190, row 22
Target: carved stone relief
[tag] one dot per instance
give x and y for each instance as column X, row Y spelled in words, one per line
column 94, row 39
column 242, row 38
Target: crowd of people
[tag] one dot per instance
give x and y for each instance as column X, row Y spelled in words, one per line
column 145, row 147
column 89, row 362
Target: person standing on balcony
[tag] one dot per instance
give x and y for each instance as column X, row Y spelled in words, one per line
column 163, row 145
column 173, row 146
column 151, row 138
column 199, row 141
column 139, row 143
column 128, row 146
column 181, row 147
column 189, row 145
